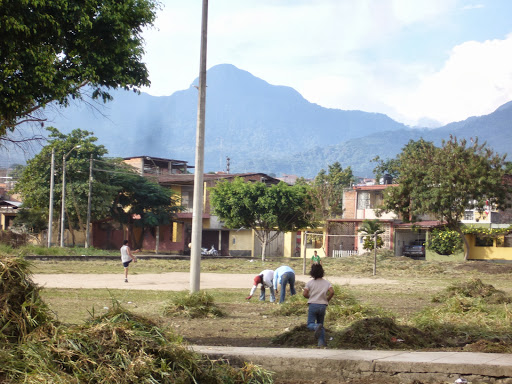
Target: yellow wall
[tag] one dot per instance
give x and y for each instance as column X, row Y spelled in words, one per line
column 475, row 253
column 289, row 244
column 243, row 240
column 177, row 190
column 319, row 240
column 488, row 253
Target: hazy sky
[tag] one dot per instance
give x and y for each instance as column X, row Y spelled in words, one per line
column 417, row 61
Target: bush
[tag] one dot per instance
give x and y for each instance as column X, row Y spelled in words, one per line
column 445, row 242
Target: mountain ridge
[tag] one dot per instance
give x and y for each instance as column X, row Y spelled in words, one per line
column 261, row 127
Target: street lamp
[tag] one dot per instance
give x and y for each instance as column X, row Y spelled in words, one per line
column 64, row 157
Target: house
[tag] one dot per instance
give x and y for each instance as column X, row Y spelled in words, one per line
column 175, row 238
column 156, row 166
column 362, row 202
column 8, row 212
column 239, row 242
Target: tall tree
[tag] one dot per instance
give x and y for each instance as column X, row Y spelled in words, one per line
column 390, row 167
column 118, row 191
column 34, row 183
column 327, row 190
column 140, row 202
column 445, row 181
column 51, row 49
column 279, row 208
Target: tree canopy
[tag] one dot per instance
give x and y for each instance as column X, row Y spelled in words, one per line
column 326, row 190
column 445, row 181
column 118, row 191
column 254, row 205
column 51, row 49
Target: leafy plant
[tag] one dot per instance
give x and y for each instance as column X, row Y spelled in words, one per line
column 445, row 241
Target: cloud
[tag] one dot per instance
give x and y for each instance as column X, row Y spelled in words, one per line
column 339, row 54
column 476, row 78
column 473, row 6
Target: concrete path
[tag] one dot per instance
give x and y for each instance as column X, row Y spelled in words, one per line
column 340, row 366
column 172, row 281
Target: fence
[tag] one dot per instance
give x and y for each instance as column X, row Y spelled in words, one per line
column 343, row 253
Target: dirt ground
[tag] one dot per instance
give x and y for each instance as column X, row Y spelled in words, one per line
column 247, row 323
column 175, row 281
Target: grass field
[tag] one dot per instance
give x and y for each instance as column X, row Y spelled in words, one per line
column 472, row 321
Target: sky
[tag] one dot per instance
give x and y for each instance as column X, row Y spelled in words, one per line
column 421, row 62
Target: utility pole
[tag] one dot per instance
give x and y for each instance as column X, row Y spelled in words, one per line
column 63, row 208
column 89, row 203
column 50, row 213
column 197, row 213
column 305, row 248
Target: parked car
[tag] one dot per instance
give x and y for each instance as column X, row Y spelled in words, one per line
column 415, row 249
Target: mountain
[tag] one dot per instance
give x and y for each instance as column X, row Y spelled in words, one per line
column 260, row 127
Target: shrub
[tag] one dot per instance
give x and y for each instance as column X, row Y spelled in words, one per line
column 445, row 242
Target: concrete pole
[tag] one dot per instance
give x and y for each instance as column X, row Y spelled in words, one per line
column 305, row 247
column 197, row 213
column 157, row 245
column 50, row 213
column 62, row 212
column 63, row 201
column 374, row 254
column 89, row 204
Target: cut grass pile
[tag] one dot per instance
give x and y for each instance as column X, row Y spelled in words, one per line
column 117, row 347
column 473, row 288
column 21, row 308
column 471, row 316
column 193, row 305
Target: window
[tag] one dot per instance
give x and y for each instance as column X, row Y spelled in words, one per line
column 469, row 215
column 363, row 200
column 483, row 241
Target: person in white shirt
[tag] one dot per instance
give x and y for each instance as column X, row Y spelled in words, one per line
column 265, row 279
column 318, row 292
column 126, row 258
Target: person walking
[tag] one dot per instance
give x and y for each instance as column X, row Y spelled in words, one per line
column 126, row 258
column 284, row 275
column 265, row 278
column 318, row 292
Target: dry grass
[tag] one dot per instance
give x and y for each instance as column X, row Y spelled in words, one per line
column 116, row 347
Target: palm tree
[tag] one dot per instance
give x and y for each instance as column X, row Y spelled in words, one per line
column 372, row 228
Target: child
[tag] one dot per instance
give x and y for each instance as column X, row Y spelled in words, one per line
column 126, row 258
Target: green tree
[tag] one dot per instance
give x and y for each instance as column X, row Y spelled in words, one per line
column 140, row 202
column 34, row 183
column 445, row 181
column 372, row 228
column 390, row 167
column 51, row 50
column 327, row 190
column 279, row 208
column 113, row 185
